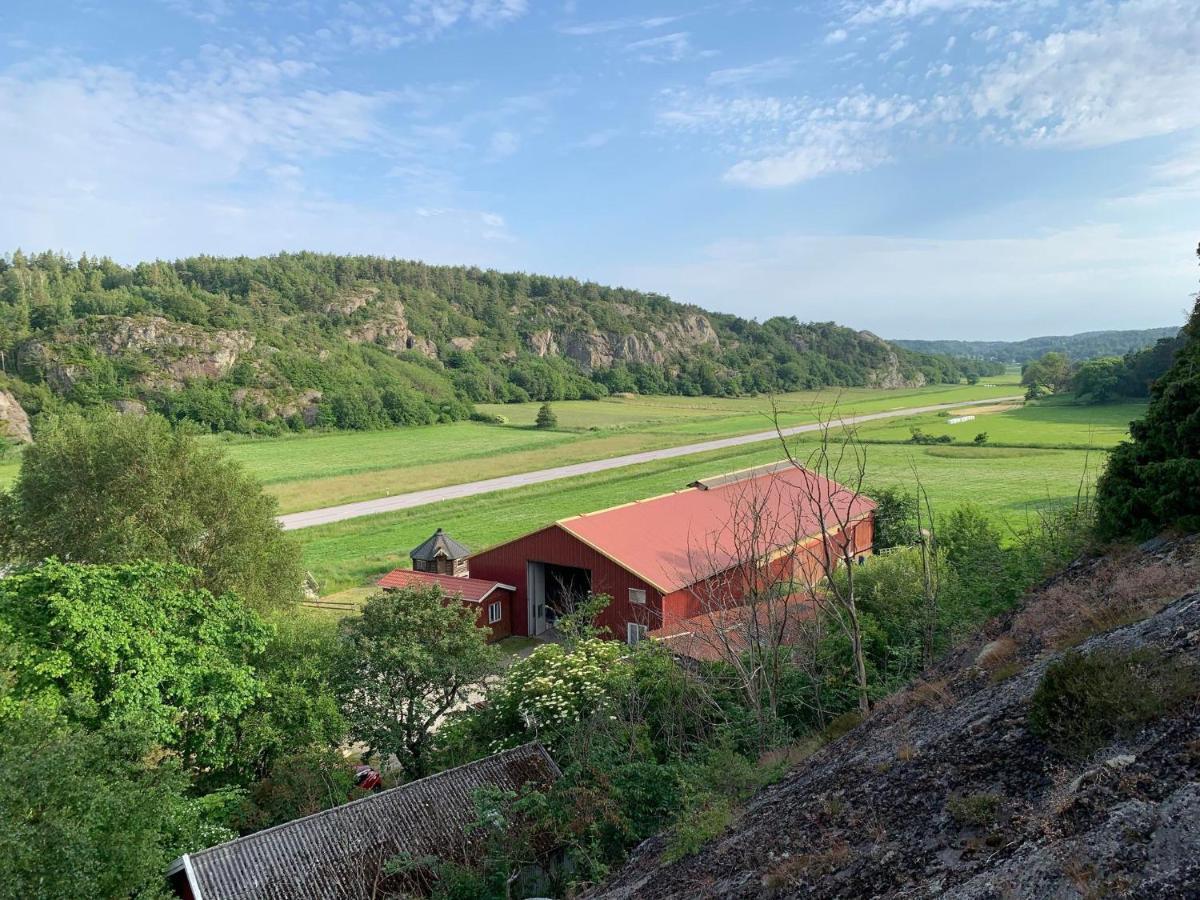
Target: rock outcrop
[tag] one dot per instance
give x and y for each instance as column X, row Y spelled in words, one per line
column 593, row 349
column 945, row 791
column 389, row 329
column 14, row 423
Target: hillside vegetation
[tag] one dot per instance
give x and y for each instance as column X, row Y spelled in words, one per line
column 297, row 341
column 1085, row 345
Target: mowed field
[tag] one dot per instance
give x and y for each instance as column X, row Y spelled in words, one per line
column 318, row 470
column 1010, row 481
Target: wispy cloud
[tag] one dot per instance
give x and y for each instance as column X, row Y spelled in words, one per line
column 755, row 73
column 584, row 29
column 673, row 47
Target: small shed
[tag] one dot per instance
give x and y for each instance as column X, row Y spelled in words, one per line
column 440, row 554
column 344, row 852
column 491, row 600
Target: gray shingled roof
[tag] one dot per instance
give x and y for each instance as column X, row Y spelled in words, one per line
column 338, row 854
column 440, row 544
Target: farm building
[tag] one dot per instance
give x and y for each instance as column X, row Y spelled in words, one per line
column 441, row 561
column 346, row 851
column 663, row 559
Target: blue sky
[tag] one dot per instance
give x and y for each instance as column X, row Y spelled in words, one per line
column 919, row 168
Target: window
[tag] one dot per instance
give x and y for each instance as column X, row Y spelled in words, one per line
column 637, row 595
column 635, row 633
column 495, row 612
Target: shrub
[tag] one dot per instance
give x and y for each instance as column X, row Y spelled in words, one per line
column 1084, row 702
column 546, row 417
column 979, row 810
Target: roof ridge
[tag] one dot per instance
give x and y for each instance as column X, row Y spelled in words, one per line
column 535, row 746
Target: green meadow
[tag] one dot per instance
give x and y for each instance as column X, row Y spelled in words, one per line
column 317, row 470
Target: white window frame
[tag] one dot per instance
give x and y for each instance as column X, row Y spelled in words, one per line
column 637, row 596
column 635, row 633
column 495, row 612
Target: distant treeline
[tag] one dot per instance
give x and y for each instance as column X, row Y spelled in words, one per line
column 1106, row 378
column 305, row 340
column 1086, row 345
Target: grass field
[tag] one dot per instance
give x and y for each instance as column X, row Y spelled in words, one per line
column 1007, row 482
column 312, row 471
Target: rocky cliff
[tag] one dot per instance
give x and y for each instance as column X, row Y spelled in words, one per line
column 947, row 791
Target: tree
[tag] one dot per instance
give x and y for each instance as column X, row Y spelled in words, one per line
column 408, row 659
column 546, row 417
column 87, row 814
column 1099, row 380
column 1053, row 370
column 137, row 645
column 895, row 518
column 107, row 488
column 1153, row 481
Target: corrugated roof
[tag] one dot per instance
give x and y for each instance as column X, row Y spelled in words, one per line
column 712, row 636
column 475, row 590
column 677, row 539
column 439, row 545
column 340, row 853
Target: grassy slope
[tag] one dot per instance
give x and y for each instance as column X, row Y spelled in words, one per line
column 312, row 471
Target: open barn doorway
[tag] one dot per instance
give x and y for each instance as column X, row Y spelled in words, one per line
column 553, row 591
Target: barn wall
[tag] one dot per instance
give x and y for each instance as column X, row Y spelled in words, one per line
column 554, row 545
column 501, row 629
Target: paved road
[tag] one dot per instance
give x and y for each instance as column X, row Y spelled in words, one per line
column 471, row 488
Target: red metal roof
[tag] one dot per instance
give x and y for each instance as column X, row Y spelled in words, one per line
column 713, row 636
column 677, row 539
column 474, row 590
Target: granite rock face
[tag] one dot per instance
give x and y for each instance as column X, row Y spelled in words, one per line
column 873, row 814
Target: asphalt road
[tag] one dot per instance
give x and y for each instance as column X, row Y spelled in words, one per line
column 469, row 489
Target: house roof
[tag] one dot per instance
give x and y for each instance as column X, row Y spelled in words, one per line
column 674, row 540
column 439, row 545
column 473, row 590
column 340, row 853
column 712, row 636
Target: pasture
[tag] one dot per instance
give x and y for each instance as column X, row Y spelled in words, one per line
column 325, row 469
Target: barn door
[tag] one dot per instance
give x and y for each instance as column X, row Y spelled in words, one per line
column 535, row 575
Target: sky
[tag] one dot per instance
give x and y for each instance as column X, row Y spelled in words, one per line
column 983, row 169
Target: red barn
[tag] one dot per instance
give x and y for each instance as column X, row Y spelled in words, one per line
column 442, row 561
column 659, row 559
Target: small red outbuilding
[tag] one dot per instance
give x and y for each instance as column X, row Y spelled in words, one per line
column 492, row 600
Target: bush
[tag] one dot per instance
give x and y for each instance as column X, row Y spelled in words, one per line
column 546, row 417
column 979, row 810
column 1084, row 702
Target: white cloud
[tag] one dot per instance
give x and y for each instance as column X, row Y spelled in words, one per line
column 505, row 143
column 597, row 139
column 915, row 287
column 836, row 36
column 891, row 10
column 586, row 29
column 672, row 47
column 756, row 73
column 1132, row 72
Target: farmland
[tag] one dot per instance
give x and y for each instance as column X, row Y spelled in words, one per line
column 1007, row 481
column 313, row 471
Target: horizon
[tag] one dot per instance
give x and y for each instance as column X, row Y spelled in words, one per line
column 924, row 170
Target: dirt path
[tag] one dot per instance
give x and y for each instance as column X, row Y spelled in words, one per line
column 469, row 489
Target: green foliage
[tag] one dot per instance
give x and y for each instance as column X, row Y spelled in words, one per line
column 1088, row 345
column 1085, row 701
column 298, row 784
column 981, row 438
column 296, row 712
column 132, row 646
column 1098, row 380
column 978, row 810
column 895, row 518
column 85, row 814
column 1051, row 370
column 364, row 342
column 106, row 488
column 546, row 417
column 407, row 659
column 1153, row 481
column 920, row 437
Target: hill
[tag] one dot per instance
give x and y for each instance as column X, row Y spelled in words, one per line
column 1085, row 345
column 300, row 340
column 953, row 788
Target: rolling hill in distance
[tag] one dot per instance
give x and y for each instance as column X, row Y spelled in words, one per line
column 289, row 342
column 1085, row 345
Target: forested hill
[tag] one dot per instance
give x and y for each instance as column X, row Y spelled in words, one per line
column 302, row 340
column 1086, row 345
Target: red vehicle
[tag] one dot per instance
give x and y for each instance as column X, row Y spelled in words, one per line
column 367, row 778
